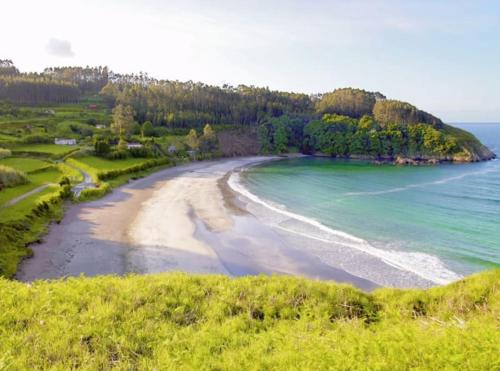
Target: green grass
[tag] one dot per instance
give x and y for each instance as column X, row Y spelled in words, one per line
column 44, row 149
column 50, row 175
column 186, row 322
column 19, row 210
column 24, row 164
column 7, row 138
column 93, row 165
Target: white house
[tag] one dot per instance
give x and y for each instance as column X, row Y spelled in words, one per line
column 172, row 149
column 100, row 126
column 134, row 145
column 65, row 142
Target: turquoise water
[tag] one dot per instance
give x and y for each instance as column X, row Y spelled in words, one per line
column 449, row 211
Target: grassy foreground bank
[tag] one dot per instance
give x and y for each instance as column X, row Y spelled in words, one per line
column 179, row 321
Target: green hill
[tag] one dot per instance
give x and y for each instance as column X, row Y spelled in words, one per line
column 184, row 322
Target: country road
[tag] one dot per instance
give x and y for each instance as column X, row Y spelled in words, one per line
column 87, row 181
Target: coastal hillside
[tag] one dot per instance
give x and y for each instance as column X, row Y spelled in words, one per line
column 346, row 123
column 179, row 321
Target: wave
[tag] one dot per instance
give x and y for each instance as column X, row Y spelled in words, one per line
column 423, row 265
column 418, row 185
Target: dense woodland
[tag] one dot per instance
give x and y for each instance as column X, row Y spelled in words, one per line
column 343, row 123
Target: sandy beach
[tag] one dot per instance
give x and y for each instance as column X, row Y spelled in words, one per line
column 185, row 218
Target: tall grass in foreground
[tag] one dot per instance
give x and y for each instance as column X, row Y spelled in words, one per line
column 181, row 322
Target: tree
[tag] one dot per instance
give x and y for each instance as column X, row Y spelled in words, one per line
column 264, row 135
column 280, row 138
column 123, row 120
column 192, row 140
column 102, row 147
column 348, row 101
column 122, row 145
column 208, row 141
column 375, row 144
column 147, row 129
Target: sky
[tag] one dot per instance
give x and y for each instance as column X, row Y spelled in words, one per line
column 443, row 56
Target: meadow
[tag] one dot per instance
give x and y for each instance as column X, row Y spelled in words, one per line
column 183, row 322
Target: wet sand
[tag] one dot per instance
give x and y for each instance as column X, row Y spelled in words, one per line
column 183, row 218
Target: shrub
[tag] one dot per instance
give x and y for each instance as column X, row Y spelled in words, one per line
column 37, row 139
column 94, row 193
column 4, row 153
column 102, row 147
column 140, row 152
column 118, row 155
column 10, row 177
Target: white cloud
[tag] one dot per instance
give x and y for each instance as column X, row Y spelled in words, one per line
column 59, row 48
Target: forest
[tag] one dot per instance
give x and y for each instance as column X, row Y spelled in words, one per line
column 346, row 122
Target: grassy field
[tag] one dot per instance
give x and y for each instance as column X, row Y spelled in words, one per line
column 44, row 149
column 7, row 138
column 185, row 322
column 93, row 165
column 49, row 176
column 23, row 208
column 24, row 164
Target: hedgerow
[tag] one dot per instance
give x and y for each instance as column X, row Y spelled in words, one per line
column 110, row 174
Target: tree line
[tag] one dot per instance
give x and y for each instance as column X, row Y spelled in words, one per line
column 343, row 136
column 188, row 104
column 54, row 85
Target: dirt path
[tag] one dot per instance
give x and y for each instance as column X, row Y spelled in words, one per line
column 17, row 199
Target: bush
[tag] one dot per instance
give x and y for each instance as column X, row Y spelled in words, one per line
column 94, row 193
column 140, row 152
column 4, row 153
column 102, row 147
column 118, row 155
column 37, row 139
column 10, row 177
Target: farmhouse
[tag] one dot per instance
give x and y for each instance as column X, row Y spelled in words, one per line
column 134, row 145
column 65, row 142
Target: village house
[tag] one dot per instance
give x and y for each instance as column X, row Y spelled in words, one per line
column 65, row 142
column 172, row 149
column 134, row 145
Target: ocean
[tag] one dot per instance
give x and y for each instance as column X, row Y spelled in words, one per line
column 438, row 222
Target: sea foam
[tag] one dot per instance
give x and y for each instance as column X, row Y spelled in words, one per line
column 423, row 265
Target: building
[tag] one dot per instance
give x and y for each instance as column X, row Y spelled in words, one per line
column 134, row 145
column 100, row 126
column 65, row 142
column 172, row 149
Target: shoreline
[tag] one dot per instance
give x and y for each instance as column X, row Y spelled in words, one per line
column 188, row 218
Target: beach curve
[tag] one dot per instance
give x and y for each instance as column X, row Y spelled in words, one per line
column 181, row 219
